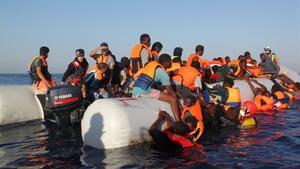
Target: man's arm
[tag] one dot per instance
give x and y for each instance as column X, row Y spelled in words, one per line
column 94, row 54
column 42, row 77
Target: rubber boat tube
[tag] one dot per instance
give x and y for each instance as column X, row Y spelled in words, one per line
column 19, row 104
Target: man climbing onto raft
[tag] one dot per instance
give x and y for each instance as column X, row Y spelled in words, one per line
column 152, row 74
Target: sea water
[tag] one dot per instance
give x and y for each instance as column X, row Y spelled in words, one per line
column 275, row 143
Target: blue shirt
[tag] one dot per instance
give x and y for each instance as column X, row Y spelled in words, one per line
column 160, row 76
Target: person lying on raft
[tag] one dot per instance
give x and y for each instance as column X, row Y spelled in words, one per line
column 262, row 97
column 96, row 82
column 152, row 74
column 281, row 98
column 175, row 135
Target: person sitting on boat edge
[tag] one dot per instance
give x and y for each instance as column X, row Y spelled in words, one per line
column 38, row 70
column 154, row 75
column 175, row 135
column 96, row 81
column 76, row 71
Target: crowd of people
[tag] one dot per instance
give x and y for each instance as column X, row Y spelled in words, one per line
column 184, row 84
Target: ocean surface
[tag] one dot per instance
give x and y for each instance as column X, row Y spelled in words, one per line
column 275, row 143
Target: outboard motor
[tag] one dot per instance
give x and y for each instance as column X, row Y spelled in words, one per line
column 65, row 103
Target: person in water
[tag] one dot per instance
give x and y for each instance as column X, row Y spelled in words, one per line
column 106, row 57
column 95, row 82
column 154, row 74
column 75, row 74
column 156, row 48
column 41, row 78
column 141, row 54
column 175, row 135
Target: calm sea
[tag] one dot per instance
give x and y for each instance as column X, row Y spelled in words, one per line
column 275, row 143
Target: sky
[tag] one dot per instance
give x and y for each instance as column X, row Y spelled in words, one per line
column 225, row 28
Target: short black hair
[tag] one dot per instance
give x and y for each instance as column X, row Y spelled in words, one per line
column 177, row 60
column 163, row 58
column 275, row 88
column 124, row 62
column 177, row 51
column 157, row 45
column 191, row 119
column 104, row 44
column 180, row 128
column 144, row 36
column 247, row 54
column 241, row 57
column 44, row 51
column 80, row 51
column 215, row 68
column 196, row 65
column 199, row 48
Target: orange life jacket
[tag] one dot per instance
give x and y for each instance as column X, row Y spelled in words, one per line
column 269, row 102
column 235, row 62
column 254, row 70
column 175, row 66
column 187, row 75
column 283, row 98
column 192, row 57
column 181, row 140
column 136, row 60
column 195, row 111
column 98, row 73
column 102, row 59
column 145, row 79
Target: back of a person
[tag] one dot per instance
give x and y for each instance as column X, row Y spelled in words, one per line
column 187, row 75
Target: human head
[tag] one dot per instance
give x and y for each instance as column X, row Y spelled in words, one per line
column 145, row 39
column 102, row 67
column 165, row 60
column 196, row 65
column 243, row 64
column 44, row 51
column 219, row 59
column 228, row 83
column 199, row 50
column 157, row 46
column 267, row 50
column 191, row 121
column 262, row 57
column 275, row 88
column 247, row 55
column 227, row 59
column 177, row 51
column 124, row 62
column 177, row 60
column 215, row 68
column 103, row 47
column 189, row 100
column 180, row 128
column 241, row 57
column 79, row 55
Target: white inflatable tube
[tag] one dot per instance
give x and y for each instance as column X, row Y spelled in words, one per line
column 19, row 104
column 290, row 73
column 114, row 123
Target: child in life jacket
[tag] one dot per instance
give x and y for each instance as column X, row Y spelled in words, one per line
column 175, row 135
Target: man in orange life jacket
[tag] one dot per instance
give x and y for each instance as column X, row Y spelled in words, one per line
column 105, row 56
column 156, row 48
column 175, row 136
column 154, row 74
column 197, row 57
column 95, row 82
column 141, row 54
column 75, row 74
column 188, row 80
column 42, row 79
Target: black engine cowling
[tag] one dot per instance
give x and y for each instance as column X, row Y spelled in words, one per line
column 63, row 102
